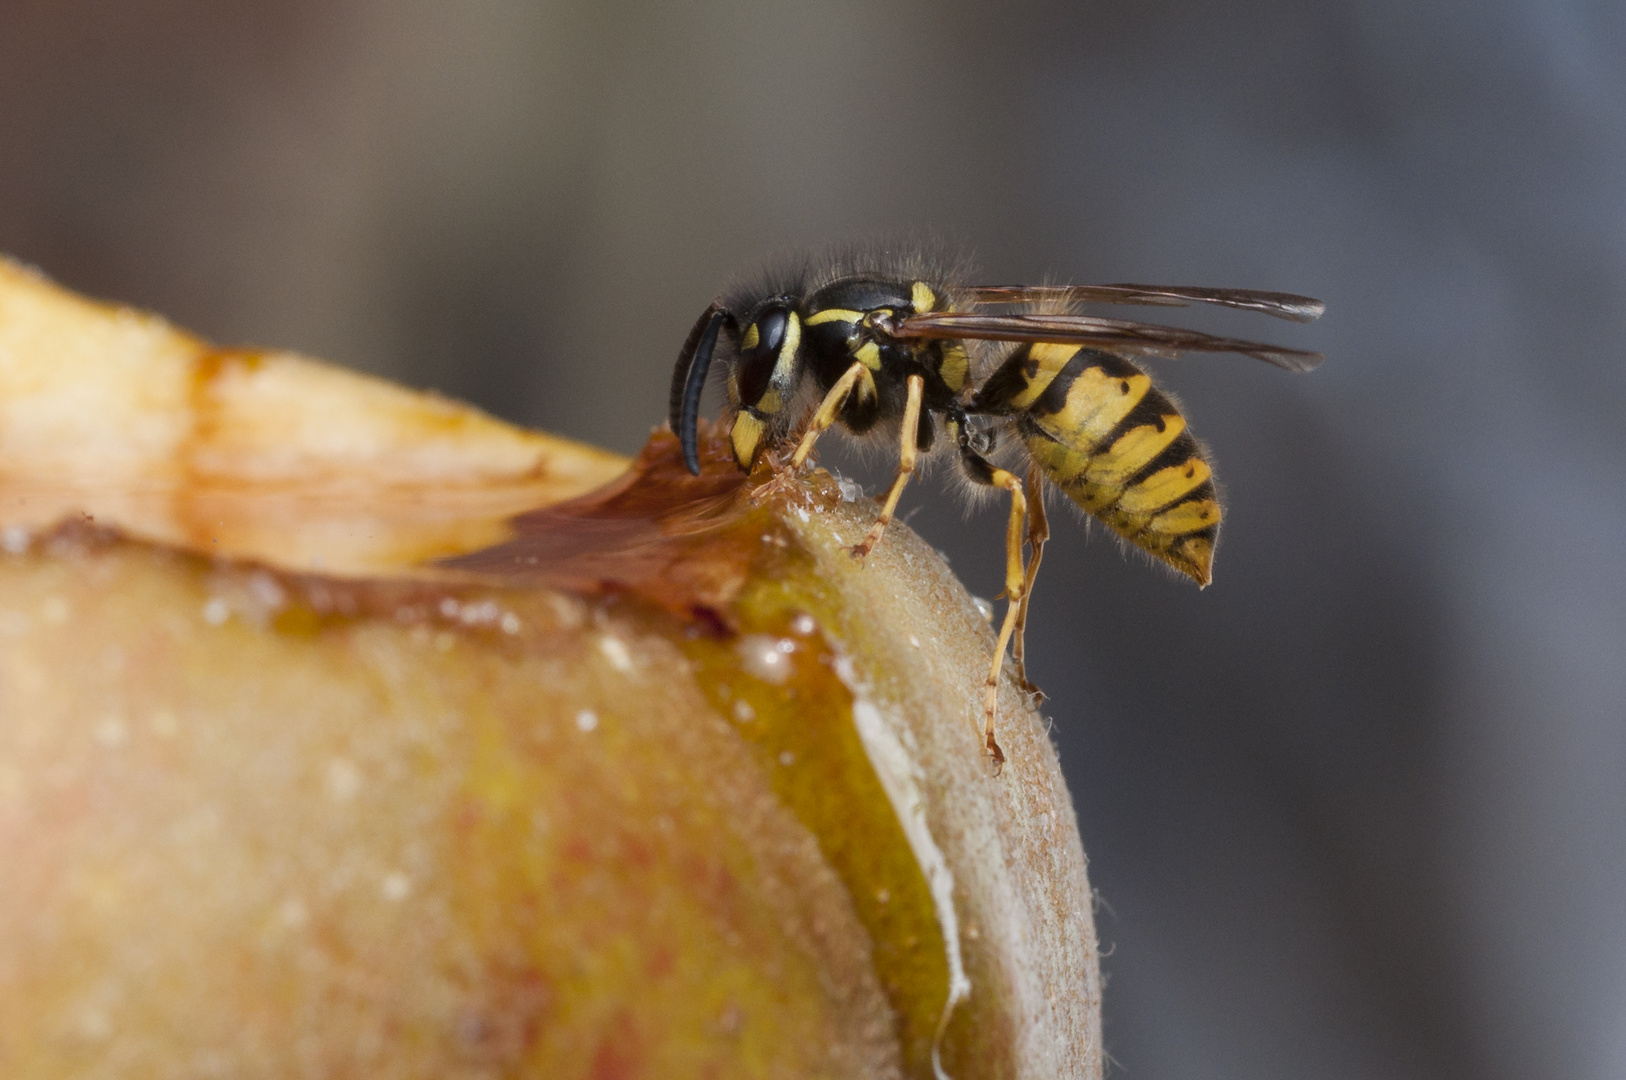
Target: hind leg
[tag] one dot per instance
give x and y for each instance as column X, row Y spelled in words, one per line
column 1016, row 577
column 1038, row 533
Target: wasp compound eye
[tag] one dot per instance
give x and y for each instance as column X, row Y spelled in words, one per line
column 760, row 352
column 771, row 328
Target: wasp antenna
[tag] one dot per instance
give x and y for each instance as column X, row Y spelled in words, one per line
column 689, row 380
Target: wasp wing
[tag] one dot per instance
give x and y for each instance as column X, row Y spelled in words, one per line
column 1279, row 305
column 1088, row 330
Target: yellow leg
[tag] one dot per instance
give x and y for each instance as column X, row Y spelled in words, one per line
column 826, row 414
column 1015, row 595
column 906, row 465
column 1038, row 533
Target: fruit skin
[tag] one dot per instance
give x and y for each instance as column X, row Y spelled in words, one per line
column 500, row 812
column 383, row 844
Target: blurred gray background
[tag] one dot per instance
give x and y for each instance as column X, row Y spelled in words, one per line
column 1359, row 809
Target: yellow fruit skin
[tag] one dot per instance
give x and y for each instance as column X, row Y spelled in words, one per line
column 388, row 845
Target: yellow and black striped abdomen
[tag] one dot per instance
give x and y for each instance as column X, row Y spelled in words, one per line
column 1118, row 447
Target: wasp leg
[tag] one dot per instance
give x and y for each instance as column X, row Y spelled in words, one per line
column 1017, row 578
column 823, row 417
column 1038, row 533
column 1015, row 597
column 826, row 414
column 906, row 465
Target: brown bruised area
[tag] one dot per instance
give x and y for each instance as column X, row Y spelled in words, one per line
column 657, row 532
column 653, row 780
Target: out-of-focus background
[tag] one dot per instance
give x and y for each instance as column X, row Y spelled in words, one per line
column 1357, row 810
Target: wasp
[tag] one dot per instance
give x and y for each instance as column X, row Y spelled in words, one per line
column 876, row 345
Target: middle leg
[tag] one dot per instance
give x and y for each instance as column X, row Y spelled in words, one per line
column 906, row 465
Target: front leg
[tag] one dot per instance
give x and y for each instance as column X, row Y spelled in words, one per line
column 826, row 413
column 823, row 417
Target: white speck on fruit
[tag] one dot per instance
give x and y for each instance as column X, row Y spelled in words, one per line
column 615, row 651
column 763, row 657
column 395, row 887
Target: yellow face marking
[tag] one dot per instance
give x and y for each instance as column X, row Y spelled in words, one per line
column 1165, row 487
column 1193, row 515
column 746, row 437
column 869, row 354
column 1050, row 360
column 792, row 342
column 955, row 366
column 1133, row 451
column 752, row 336
column 922, row 297
column 834, row 315
column 769, row 402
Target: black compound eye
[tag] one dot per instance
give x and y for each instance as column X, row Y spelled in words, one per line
column 757, row 362
column 771, row 328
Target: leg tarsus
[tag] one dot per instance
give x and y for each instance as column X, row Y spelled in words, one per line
column 996, row 756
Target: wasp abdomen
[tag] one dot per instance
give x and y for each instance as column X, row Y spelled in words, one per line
column 1116, row 445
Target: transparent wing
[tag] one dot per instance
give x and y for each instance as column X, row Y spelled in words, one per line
column 1088, row 330
column 1279, row 305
